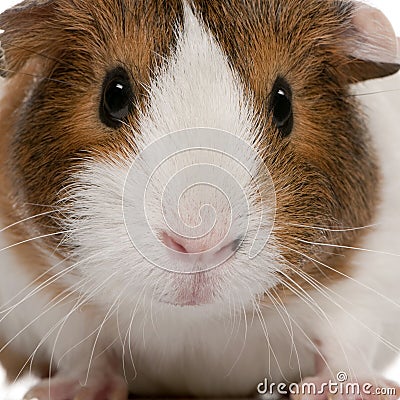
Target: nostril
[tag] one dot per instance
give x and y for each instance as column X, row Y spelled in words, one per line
column 232, row 247
column 236, row 244
column 173, row 244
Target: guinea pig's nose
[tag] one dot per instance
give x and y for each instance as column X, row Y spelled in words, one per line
column 177, row 245
column 196, row 246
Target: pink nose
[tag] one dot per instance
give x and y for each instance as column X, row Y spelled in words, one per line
column 198, row 246
column 174, row 245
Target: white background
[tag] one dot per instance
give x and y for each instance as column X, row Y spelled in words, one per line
column 391, row 9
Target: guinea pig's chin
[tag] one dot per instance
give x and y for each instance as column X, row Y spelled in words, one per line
column 207, row 299
column 191, row 301
column 209, row 290
column 191, row 290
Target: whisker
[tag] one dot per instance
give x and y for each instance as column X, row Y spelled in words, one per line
column 347, row 277
column 318, row 351
column 94, row 331
column 81, row 300
column 36, row 238
column 325, row 229
column 109, row 314
column 48, row 334
column 40, row 54
column 348, row 248
column 26, row 219
column 266, row 334
column 50, row 281
column 374, row 93
column 37, row 76
column 233, row 318
column 244, row 339
column 319, row 287
column 107, row 348
column 301, row 293
column 51, row 304
column 151, row 309
column 35, row 320
column 290, row 330
column 379, row 337
column 32, row 283
column 315, row 307
column 127, row 337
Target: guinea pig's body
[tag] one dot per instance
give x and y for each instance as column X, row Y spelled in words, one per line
column 191, row 199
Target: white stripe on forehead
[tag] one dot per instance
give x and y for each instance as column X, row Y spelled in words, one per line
column 196, row 88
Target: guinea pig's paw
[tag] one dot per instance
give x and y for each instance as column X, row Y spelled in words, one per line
column 105, row 387
column 320, row 388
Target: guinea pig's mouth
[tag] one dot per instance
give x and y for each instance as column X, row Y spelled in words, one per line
column 196, row 275
column 192, row 290
column 187, row 304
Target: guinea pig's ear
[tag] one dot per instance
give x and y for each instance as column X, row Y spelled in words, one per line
column 23, row 34
column 374, row 49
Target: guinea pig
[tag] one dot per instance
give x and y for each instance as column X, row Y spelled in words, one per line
column 196, row 200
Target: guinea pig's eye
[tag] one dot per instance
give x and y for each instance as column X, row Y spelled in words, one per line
column 281, row 107
column 117, row 98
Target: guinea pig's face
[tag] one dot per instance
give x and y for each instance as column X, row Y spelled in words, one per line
column 196, row 154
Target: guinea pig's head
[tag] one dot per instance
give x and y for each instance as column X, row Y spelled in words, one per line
column 202, row 155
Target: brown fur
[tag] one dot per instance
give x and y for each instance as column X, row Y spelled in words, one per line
column 325, row 172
